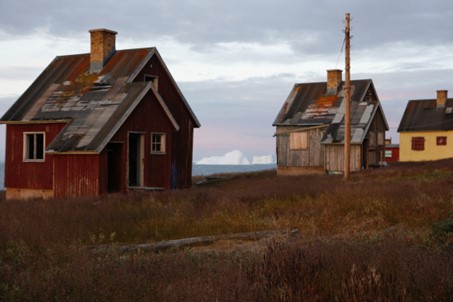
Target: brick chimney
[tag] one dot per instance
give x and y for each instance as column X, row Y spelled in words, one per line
column 334, row 78
column 102, row 48
column 441, row 98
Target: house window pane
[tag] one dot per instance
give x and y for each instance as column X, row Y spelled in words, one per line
column 388, row 153
column 34, row 146
column 298, row 141
column 39, row 139
column 418, row 143
column 157, row 143
column 30, row 146
column 441, row 140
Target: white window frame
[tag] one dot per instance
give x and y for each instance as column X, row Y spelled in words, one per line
column 161, row 143
column 26, row 155
column 388, row 153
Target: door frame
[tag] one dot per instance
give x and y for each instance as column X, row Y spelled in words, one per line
column 138, row 138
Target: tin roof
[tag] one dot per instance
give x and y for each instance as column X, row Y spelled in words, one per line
column 424, row 115
column 94, row 106
column 309, row 104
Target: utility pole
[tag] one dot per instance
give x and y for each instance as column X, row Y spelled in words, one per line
column 347, row 116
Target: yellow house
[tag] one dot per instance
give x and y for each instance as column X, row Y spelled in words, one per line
column 426, row 129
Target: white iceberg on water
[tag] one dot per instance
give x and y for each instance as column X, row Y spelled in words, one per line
column 235, row 157
column 263, row 159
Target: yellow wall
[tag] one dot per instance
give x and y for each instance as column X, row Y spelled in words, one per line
column 431, row 152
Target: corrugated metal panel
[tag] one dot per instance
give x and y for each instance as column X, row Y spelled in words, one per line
column 125, row 62
column 423, row 115
column 309, row 104
column 88, row 130
column 60, row 69
column 94, row 103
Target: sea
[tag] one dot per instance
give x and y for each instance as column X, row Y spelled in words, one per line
column 206, row 170
column 197, row 170
column 2, row 176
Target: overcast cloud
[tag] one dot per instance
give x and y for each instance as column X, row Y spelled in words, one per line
column 236, row 61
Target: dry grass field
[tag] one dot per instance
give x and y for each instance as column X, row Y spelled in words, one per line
column 386, row 235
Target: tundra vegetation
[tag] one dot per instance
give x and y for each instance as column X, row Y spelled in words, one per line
column 386, row 235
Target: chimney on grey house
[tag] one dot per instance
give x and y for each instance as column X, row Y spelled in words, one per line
column 102, row 48
column 441, row 98
column 334, row 79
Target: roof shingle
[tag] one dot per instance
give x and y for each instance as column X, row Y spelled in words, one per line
column 93, row 105
column 309, row 104
column 424, row 115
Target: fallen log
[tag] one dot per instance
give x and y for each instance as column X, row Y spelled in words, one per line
column 188, row 242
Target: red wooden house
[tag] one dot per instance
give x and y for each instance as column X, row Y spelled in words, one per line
column 392, row 153
column 107, row 121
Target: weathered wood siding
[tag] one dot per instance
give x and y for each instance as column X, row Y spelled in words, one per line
column 76, row 175
column 375, row 141
column 182, row 140
column 32, row 174
column 334, row 156
column 312, row 156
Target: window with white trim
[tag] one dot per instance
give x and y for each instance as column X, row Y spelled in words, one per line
column 34, row 146
column 158, row 143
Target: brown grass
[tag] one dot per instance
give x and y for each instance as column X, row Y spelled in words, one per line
column 386, row 235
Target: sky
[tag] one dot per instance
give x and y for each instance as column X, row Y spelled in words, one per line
column 237, row 61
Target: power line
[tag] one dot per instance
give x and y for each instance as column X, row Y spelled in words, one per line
column 341, row 51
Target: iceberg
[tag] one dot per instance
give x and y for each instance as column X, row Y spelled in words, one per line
column 235, row 157
column 263, row 159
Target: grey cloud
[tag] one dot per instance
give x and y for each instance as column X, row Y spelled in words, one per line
column 18, row 73
column 312, row 28
column 5, row 103
column 202, row 23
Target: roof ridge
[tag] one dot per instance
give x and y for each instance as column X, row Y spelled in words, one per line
column 116, row 51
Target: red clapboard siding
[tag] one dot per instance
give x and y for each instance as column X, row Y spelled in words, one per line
column 183, row 139
column 32, row 175
column 395, row 153
column 76, row 175
column 147, row 118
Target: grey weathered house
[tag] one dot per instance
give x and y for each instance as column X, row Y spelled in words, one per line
column 310, row 127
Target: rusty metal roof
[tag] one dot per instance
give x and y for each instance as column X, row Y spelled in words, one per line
column 424, row 115
column 94, row 106
column 309, row 105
